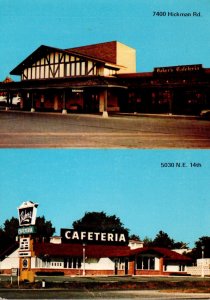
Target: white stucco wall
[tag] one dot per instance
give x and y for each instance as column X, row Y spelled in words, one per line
column 126, row 56
column 203, row 262
column 203, row 267
column 135, row 244
column 12, row 261
column 172, row 268
column 157, row 263
column 99, row 264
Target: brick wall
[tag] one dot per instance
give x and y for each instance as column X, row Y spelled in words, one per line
column 6, row 272
column 76, row 272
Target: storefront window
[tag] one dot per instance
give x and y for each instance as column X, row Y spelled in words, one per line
column 121, row 264
column 145, row 263
column 181, row 268
column 72, row 263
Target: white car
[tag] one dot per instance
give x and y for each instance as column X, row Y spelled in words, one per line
column 15, row 101
column 3, row 100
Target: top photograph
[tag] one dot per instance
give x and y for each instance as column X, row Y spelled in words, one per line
column 87, row 76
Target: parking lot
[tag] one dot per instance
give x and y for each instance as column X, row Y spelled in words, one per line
column 108, row 287
column 54, row 130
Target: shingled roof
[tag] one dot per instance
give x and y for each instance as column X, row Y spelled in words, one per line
column 97, row 251
column 76, row 250
column 167, row 254
column 104, row 51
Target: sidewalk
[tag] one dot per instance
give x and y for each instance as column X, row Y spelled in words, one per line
column 169, row 116
column 110, row 114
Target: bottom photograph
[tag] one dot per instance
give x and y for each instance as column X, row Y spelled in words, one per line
column 104, row 223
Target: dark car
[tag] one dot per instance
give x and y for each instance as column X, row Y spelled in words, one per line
column 205, row 114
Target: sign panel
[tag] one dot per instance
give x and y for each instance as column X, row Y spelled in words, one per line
column 24, row 244
column 25, row 263
column 77, row 90
column 178, row 69
column 24, row 253
column 14, row 272
column 76, row 236
column 27, row 213
column 26, row 230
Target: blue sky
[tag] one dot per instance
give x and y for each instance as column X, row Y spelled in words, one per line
column 159, row 41
column 128, row 183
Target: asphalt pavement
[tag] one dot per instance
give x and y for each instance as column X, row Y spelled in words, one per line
column 54, row 130
column 107, row 287
column 92, row 294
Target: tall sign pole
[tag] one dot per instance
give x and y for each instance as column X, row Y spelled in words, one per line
column 27, row 220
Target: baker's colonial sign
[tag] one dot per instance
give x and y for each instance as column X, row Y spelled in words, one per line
column 27, row 213
column 76, row 236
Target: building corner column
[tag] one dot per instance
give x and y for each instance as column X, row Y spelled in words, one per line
column 161, row 266
column 32, row 103
column 64, row 110
column 131, row 268
column 105, row 113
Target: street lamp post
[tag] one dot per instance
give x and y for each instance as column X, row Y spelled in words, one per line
column 202, row 266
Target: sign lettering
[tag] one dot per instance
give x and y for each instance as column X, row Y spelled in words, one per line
column 24, row 253
column 72, row 236
column 26, row 230
column 26, row 216
column 178, row 69
column 77, row 91
column 27, row 213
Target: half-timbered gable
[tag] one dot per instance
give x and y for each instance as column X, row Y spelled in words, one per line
column 48, row 63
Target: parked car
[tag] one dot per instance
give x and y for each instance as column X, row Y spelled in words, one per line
column 3, row 101
column 15, row 101
column 205, row 114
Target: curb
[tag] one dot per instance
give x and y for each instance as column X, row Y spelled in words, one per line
column 110, row 115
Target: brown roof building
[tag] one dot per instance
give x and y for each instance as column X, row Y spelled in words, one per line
column 103, row 78
column 100, row 259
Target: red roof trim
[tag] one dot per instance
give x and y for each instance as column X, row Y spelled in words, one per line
column 76, row 250
column 164, row 252
column 97, row 251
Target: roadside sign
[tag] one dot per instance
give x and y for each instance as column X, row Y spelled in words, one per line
column 14, row 272
column 26, row 230
column 24, row 253
column 24, row 244
column 27, row 213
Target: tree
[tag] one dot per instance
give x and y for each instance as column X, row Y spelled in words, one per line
column 135, row 237
column 3, row 240
column 44, row 228
column 202, row 242
column 9, row 231
column 99, row 221
column 163, row 240
column 147, row 242
column 180, row 245
column 11, row 228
